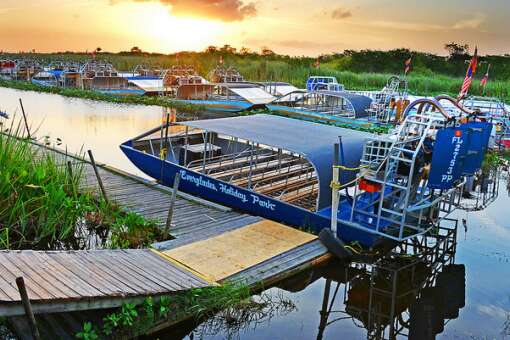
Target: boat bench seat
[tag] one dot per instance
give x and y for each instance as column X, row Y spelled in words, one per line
column 255, row 169
column 231, row 162
column 273, row 175
column 290, row 185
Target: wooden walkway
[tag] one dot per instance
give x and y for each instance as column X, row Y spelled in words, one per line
column 107, row 278
column 79, row 280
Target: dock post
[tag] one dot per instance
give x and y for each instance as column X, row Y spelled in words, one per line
column 168, row 224
column 94, row 166
column 334, row 190
column 25, row 118
column 28, row 307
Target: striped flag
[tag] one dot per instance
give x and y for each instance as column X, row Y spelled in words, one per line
column 407, row 65
column 469, row 75
column 485, row 78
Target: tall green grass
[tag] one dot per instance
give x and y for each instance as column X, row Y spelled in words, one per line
column 295, row 70
column 42, row 207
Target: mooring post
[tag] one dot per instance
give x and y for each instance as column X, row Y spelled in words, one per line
column 94, row 166
column 28, row 308
column 24, row 118
column 334, row 189
column 177, row 180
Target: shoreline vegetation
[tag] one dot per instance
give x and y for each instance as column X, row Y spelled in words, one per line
column 44, row 208
column 357, row 70
column 92, row 95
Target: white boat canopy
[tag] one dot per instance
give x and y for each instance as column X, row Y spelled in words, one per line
column 254, row 95
column 148, row 85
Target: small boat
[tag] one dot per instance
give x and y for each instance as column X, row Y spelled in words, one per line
column 103, row 77
column 265, row 165
column 281, row 169
column 222, row 74
column 229, row 97
column 323, row 83
column 7, row 69
column 332, row 107
column 47, row 78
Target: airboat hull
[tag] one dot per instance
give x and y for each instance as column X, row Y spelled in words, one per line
column 123, row 92
column 240, row 199
column 318, row 117
column 218, row 105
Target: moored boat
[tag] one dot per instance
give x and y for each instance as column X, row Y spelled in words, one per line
column 229, row 97
column 280, row 169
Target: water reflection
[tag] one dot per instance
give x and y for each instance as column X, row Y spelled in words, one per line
column 85, row 124
column 411, row 292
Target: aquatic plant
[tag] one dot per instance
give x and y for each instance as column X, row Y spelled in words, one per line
column 88, row 332
column 200, row 303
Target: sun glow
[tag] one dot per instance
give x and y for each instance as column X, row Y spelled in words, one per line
column 159, row 30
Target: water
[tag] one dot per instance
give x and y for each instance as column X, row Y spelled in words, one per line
column 84, row 124
column 483, row 249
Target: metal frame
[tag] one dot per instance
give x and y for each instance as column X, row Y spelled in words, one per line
column 406, row 207
column 434, row 249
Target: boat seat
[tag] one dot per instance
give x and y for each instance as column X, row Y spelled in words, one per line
column 273, row 175
column 293, row 197
column 236, row 164
column 232, row 161
column 256, row 168
column 290, row 185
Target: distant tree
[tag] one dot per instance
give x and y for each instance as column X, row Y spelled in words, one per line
column 456, row 50
column 244, row 51
column 136, row 50
column 98, row 49
column 211, row 49
column 265, row 51
column 228, row 49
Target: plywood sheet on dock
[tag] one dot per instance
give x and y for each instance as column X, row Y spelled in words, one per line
column 229, row 253
column 76, row 280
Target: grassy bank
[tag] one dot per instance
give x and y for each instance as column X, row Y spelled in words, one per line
column 365, row 70
column 93, row 95
column 42, row 207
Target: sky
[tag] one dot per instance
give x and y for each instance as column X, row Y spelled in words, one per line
column 294, row 27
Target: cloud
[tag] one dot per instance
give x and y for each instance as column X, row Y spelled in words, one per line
column 493, row 311
column 294, row 44
column 340, row 13
column 473, row 23
column 224, row 10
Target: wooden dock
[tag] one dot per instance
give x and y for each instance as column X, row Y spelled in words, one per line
column 59, row 281
column 211, row 244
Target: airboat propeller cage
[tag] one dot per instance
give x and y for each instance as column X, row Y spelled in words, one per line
column 312, row 141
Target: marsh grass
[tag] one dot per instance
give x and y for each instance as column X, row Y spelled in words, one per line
column 42, row 206
column 369, row 75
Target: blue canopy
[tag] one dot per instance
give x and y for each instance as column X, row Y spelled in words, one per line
column 311, row 140
column 359, row 102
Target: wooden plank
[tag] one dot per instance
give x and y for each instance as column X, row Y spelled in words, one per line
column 231, row 252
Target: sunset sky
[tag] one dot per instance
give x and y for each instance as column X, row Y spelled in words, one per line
column 295, row 27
